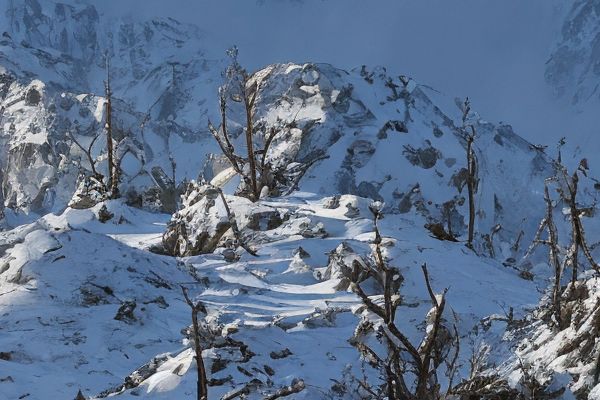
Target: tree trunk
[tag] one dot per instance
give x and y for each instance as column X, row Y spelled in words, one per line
column 113, row 173
column 201, row 382
column 250, row 145
column 471, row 189
column 202, row 389
column 109, row 140
column 554, row 258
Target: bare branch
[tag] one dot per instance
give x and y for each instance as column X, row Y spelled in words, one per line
column 88, row 151
column 202, row 383
column 295, row 387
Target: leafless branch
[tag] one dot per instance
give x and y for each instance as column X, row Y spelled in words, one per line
column 294, row 388
column 202, row 383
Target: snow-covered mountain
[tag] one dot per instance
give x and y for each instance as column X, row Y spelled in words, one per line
column 572, row 69
column 54, row 59
column 87, row 303
column 165, row 94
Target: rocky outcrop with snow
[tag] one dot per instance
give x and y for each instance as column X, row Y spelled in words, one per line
column 204, row 221
column 53, row 59
column 372, row 126
column 572, row 69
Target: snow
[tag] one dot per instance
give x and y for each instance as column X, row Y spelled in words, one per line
column 281, row 315
column 270, row 308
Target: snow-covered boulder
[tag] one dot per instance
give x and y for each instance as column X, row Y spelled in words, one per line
column 90, row 191
column 203, row 221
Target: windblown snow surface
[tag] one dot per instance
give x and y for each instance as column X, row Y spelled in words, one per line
column 86, row 305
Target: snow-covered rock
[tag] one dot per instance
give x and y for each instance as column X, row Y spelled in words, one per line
column 573, row 68
column 204, row 220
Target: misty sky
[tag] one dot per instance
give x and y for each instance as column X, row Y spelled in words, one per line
column 493, row 51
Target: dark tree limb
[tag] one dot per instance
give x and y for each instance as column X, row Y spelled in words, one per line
column 294, row 388
column 202, row 386
column 88, row 151
column 425, row 359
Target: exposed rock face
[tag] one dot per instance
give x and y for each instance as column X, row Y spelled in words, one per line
column 198, row 226
column 574, row 67
column 157, row 85
column 336, row 115
column 341, row 265
column 90, row 191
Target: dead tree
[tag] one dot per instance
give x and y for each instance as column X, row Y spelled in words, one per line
column 249, row 100
column 202, row 383
column 578, row 239
column 402, row 357
column 471, row 185
column 2, row 215
column 113, row 170
column 551, row 241
column 254, row 168
column 567, row 187
column 240, row 89
column 471, row 168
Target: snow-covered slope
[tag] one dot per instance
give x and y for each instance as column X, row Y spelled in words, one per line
column 165, row 94
column 372, row 128
column 65, row 279
column 573, row 66
column 87, row 305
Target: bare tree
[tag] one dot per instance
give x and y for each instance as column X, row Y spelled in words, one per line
column 240, row 89
column 2, row 215
column 202, row 383
column 114, row 171
column 249, row 97
column 255, row 169
column 567, row 186
column 402, row 357
column 578, row 238
column 471, row 169
column 551, row 241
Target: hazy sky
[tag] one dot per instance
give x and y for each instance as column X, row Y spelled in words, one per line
column 491, row 50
